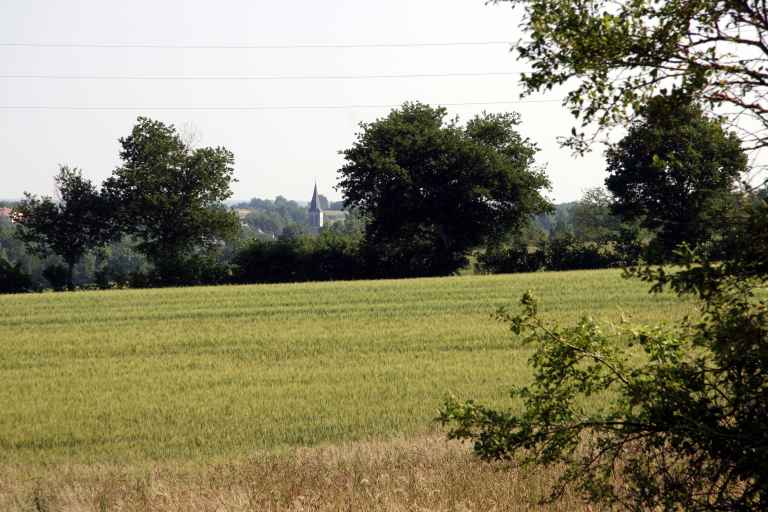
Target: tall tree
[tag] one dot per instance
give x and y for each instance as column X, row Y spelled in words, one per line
column 619, row 54
column 674, row 171
column 170, row 198
column 77, row 222
column 431, row 190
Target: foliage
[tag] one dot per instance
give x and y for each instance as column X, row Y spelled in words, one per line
column 593, row 220
column 272, row 216
column 170, row 198
column 431, row 190
column 79, row 221
column 331, row 256
column 683, row 424
column 510, row 259
column 569, row 253
column 673, row 172
column 119, row 265
column 580, row 235
column 564, row 252
column 57, row 276
column 621, row 54
column 13, row 279
column 557, row 222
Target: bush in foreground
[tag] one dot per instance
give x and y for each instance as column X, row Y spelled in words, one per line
column 684, row 420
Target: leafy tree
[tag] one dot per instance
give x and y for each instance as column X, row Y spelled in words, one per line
column 266, row 221
column 674, row 171
column 79, row 221
column 593, row 220
column 351, row 226
column 170, row 198
column 431, row 190
column 272, row 216
column 294, row 231
column 563, row 222
column 682, row 425
column 619, row 54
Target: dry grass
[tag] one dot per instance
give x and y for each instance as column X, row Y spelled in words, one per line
column 417, row 475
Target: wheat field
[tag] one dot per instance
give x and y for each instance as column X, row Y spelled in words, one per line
column 178, row 385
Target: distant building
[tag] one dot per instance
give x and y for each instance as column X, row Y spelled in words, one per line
column 319, row 217
column 315, row 212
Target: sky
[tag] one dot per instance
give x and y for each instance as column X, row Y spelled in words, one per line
column 278, row 151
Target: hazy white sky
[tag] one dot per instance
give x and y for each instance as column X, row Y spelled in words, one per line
column 276, row 151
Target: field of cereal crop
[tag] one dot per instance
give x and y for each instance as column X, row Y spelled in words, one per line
column 211, row 374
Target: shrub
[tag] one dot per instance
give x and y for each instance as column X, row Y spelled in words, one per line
column 568, row 253
column 686, row 419
column 327, row 257
column 508, row 260
column 57, row 276
column 13, row 279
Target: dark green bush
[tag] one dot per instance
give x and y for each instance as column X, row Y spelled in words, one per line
column 13, row 279
column 328, row 257
column 509, row 260
column 57, row 276
column 568, row 253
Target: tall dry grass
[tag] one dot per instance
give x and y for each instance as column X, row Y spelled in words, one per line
column 402, row 475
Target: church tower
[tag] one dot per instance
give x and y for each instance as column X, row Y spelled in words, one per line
column 315, row 212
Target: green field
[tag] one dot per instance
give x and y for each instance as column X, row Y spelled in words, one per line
column 211, row 374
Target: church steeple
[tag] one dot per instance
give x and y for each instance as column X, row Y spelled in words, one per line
column 314, row 205
column 315, row 212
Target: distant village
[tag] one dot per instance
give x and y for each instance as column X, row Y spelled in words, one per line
column 269, row 218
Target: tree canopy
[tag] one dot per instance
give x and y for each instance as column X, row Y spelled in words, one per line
column 79, row 220
column 431, row 189
column 674, row 172
column 170, row 197
column 593, row 219
column 618, row 54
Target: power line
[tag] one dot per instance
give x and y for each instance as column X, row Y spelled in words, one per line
column 318, row 46
column 251, row 108
column 259, row 77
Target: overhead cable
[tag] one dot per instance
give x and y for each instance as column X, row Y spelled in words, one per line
column 257, row 77
column 251, row 108
column 243, row 46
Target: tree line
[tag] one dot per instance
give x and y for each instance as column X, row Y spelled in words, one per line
column 424, row 193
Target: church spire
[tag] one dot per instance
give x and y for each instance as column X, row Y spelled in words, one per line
column 315, row 212
column 314, row 205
